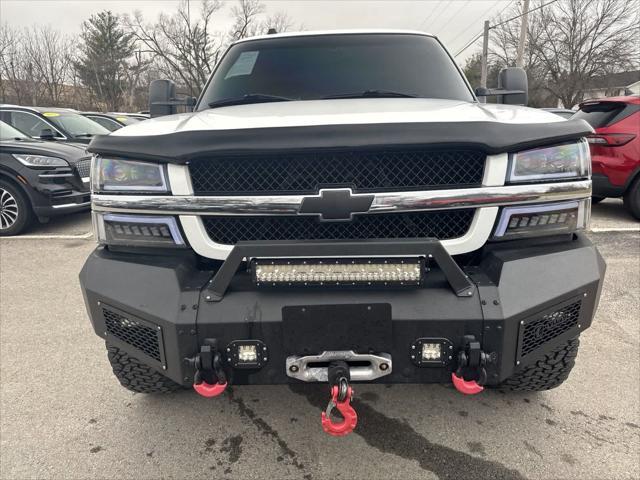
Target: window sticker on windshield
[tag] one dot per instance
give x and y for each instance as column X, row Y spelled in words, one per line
column 51, row 114
column 244, row 64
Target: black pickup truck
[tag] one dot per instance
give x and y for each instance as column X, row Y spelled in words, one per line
column 341, row 208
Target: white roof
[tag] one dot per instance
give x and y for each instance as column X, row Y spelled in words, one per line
column 335, row 32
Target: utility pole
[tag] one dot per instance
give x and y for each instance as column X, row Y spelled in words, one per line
column 523, row 34
column 485, row 54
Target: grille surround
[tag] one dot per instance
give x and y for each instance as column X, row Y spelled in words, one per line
column 556, row 323
column 136, row 333
column 83, row 167
column 362, row 171
column 443, row 225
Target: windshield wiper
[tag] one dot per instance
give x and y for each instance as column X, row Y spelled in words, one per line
column 247, row 99
column 371, row 94
column 88, row 135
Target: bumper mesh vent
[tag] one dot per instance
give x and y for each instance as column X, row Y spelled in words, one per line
column 440, row 224
column 84, row 168
column 548, row 327
column 363, row 171
column 133, row 332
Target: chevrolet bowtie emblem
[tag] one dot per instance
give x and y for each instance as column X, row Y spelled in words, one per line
column 336, row 204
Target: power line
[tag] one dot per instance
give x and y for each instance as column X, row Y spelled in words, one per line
column 464, row 30
column 439, row 14
column 475, row 39
column 429, row 15
column 454, row 15
column 522, row 14
column 501, row 23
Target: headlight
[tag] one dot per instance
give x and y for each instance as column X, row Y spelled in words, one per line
column 127, row 175
column 568, row 160
column 41, row 161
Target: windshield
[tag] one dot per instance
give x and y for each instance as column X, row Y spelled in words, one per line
column 75, row 124
column 7, row 132
column 321, row 66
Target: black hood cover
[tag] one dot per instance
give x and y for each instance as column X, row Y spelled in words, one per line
column 490, row 137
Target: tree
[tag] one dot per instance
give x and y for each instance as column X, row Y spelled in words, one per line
column 184, row 49
column 102, row 63
column 247, row 19
column 249, row 22
column 49, row 53
column 472, row 70
column 570, row 42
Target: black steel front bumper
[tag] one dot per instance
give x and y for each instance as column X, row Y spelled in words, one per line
column 523, row 301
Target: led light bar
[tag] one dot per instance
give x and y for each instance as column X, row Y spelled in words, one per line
column 135, row 230
column 548, row 219
column 339, row 271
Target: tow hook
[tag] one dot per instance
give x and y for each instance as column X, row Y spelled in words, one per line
column 341, row 395
column 471, row 357
column 208, row 364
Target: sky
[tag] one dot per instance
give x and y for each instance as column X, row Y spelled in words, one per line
column 455, row 22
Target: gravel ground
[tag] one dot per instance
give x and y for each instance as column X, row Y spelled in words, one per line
column 63, row 414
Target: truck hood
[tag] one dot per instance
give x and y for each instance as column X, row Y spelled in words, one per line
column 337, row 112
column 351, row 124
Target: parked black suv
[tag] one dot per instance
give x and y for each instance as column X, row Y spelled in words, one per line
column 59, row 124
column 39, row 179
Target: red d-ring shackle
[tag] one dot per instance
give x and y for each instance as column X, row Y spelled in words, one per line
column 350, row 417
column 207, row 390
column 467, row 387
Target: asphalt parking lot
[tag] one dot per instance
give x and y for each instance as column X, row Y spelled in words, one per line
column 63, row 414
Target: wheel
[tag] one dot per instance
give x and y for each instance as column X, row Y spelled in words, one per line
column 596, row 200
column 547, row 373
column 136, row 376
column 15, row 210
column 632, row 198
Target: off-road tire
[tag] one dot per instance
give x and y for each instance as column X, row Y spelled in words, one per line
column 546, row 373
column 136, row 376
column 20, row 204
column 596, row 200
column 632, row 198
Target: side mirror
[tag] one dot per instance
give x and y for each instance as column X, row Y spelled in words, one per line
column 47, row 134
column 161, row 96
column 513, row 87
column 514, row 79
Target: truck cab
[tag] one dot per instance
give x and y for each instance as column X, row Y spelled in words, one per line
column 341, row 208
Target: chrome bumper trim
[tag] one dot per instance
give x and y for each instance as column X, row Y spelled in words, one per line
column 385, row 202
column 71, row 205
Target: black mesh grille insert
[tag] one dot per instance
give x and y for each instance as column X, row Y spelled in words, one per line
column 84, row 168
column 130, row 331
column 546, row 328
column 439, row 224
column 363, row 171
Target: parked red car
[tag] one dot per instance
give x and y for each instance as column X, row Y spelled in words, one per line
column 615, row 148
